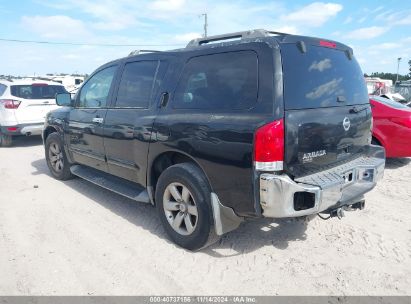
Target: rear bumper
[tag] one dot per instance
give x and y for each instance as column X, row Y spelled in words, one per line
column 346, row 184
column 23, row 129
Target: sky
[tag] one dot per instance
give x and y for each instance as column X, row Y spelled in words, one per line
column 378, row 31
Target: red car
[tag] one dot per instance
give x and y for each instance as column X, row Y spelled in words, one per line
column 392, row 126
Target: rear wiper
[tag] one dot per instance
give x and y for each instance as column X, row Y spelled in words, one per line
column 358, row 109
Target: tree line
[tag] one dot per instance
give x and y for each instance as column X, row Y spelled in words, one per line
column 391, row 76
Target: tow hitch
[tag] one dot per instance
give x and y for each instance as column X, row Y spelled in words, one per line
column 339, row 212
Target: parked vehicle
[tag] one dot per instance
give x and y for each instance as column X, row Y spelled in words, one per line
column 244, row 125
column 404, row 88
column 378, row 86
column 397, row 97
column 392, row 126
column 23, row 107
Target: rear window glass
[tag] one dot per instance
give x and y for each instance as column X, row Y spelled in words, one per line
column 320, row 77
column 40, row 91
column 218, row 82
column 137, row 84
column 2, row 89
column 404, row 90
column 389, row 102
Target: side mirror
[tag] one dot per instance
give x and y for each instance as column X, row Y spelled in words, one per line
column 63, row 99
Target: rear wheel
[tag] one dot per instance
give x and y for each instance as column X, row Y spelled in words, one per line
column 56, row 158
column 183, row 204
column 375, row 141
column 5, row 140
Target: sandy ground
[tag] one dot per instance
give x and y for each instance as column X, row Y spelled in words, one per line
column 74, row 238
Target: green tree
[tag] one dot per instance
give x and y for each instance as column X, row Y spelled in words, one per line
column 391, row 76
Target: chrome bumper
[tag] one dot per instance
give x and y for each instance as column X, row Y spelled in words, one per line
column 35, row 129
column 342, row 185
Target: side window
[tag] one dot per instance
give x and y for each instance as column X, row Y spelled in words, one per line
column 219, row 81
column 95, row 92
column 137, row 84
column 2, row 89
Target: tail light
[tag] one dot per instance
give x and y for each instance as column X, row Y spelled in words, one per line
column 10, row 103
column 269, row 146
column 328, row 44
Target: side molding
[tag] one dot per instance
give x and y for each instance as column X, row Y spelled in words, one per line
column 225, row 220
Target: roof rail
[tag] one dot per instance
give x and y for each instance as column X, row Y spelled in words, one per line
column 258, row 33
column 138, row 52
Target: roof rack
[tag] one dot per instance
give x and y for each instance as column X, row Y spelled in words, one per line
column 258, row 33
column 138, row 52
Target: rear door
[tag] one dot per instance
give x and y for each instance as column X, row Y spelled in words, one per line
column 128, row 123
column 327, row 111
column 37, row 100
column 87, row 118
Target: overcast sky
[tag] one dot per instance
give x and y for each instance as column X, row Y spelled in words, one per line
column 379, row 31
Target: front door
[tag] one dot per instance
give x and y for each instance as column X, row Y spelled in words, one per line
column 87, row 118
column 129, row 120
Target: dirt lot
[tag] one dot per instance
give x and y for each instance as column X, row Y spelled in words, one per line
column 74, row 238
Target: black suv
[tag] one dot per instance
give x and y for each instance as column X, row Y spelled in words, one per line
column 249, row 124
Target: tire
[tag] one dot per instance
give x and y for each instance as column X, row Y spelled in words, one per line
column 194, row 231
column 374, row 141
column 56, row 158
column 5, row 140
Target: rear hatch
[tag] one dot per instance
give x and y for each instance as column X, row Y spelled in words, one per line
column 327, row 112
column 36, row 100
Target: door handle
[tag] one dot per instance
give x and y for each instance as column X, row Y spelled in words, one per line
column 164, row 99
column 98, row 120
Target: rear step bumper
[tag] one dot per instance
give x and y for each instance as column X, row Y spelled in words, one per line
column 280, row 196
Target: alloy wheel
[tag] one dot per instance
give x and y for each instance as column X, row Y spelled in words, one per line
column 56, row 157
column 180, row 208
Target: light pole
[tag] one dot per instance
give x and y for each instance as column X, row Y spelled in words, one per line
column 205, row 24
column 398, row 67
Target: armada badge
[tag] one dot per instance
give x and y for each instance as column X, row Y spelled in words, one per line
column 308, row 157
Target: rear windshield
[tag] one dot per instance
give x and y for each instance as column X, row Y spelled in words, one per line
column 389, row 102
column 36, row 91
column 320, row 77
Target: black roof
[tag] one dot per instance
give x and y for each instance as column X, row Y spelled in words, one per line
column 272, row 38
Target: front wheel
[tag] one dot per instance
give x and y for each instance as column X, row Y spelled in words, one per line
column 183, row 204
column 56, row 158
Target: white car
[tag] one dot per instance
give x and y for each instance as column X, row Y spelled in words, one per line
column 24, row 105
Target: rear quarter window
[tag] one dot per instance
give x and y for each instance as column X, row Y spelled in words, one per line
column 219, row 81
column 321, row 76
column 2, row 89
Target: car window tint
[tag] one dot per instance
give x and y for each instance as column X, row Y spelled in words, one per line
column 136, row 84
column 320, row 77
column 389, row 102
column 36, row 91
column 95, row 91
column 218, row 82
column 2, row 89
